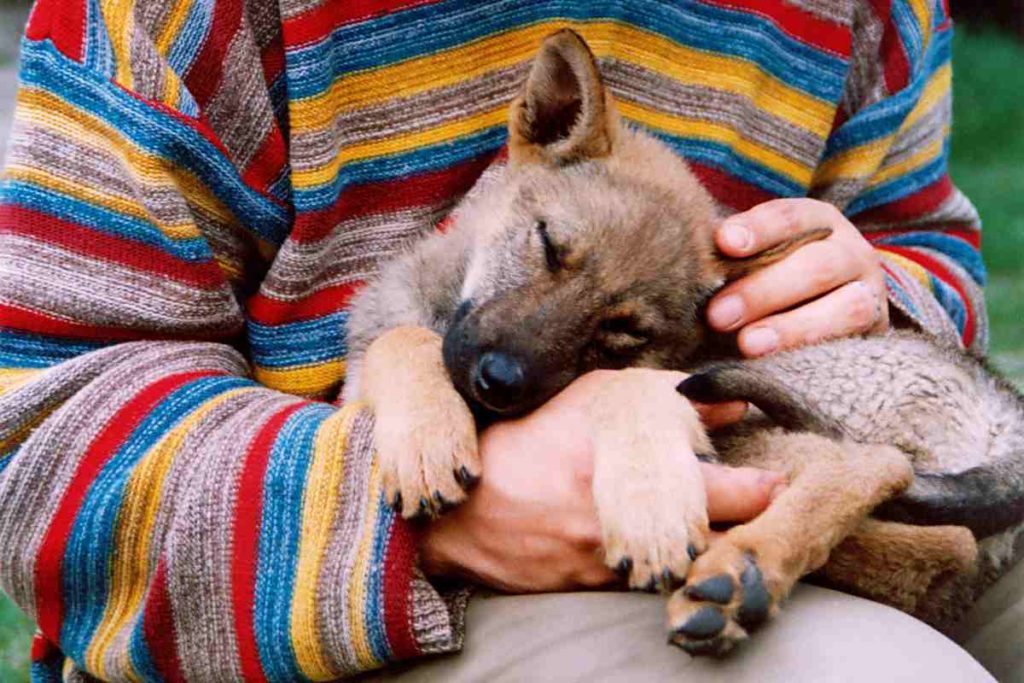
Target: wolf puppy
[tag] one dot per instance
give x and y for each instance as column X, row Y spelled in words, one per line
column 592, row 248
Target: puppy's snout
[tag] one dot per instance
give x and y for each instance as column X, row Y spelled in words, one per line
column 499, row 380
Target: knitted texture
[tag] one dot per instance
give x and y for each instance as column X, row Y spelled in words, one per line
column 193, row 192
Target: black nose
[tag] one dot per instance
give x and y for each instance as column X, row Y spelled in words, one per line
column 499, row 380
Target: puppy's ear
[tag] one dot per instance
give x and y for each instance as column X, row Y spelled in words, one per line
column 735, row 268
column 563, row 113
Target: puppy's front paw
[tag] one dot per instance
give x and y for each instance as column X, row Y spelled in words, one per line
column 727, row 595
column 428, row 452
column 652, row 550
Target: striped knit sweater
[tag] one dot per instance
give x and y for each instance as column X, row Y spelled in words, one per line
column 195, row 188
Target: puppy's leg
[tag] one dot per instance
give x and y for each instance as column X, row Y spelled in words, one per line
column 741, row 580
column 425, row 434
column 912, row 568
column 648, row 488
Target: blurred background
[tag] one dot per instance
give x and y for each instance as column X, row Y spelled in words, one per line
column 987, row 164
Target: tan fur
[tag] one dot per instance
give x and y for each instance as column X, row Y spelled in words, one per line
column 592, row 248
column 649, row 496
column 424, row 432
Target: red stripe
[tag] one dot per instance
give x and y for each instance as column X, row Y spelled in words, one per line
column 398, row 569
column 43, row 649
column 63, row 22
column 728, row 189
column 316, row 24
column 158, row 627
column 204, row 74
column 941, row 272
column 913, row 206
column 16, row 220
column 895, row 63
column 966, row 233
column 36, row 322
column 50, row 558
column 246, row 539
column 427, row 189
column 272, row 58
column 268, row 163
column 797, row 23
column 266, row 311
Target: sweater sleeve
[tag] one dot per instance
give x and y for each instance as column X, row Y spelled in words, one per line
column 163, row 515
column 886, row 166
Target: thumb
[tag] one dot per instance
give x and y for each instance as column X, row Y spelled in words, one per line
column 738, row 494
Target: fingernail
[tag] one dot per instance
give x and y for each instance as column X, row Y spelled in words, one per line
column 736, row 236
column 725, row 313
column 760, row 340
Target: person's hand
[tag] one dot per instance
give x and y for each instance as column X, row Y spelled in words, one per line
column 826, row 289
column 530, row 524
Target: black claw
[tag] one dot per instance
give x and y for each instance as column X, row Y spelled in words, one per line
column 443, row 504
column 701, row 387
column 668, row 579
column 651, row 586
column 396, row 502
column 467, row 478
column 624, row 567
column 757, row 601
column 707, row 457
column 691, row 550
column 424, row 505
column 716, row 589
column 706, row 622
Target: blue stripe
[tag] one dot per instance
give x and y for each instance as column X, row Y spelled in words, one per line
column 8, row 457
column 100, row 219
column 25, row 350
column 896, row 290
column 99, row 53
column 375, row 620
column 299, row 343
column 138, row 652
column 950, row 301
column 447, row 154
column 280, row 532
column 899, row 187
column 189, row 41
column 965, row 255
column 44, row 67
column 435, row 28
column 420, row 160
column 887, row 115
column 86, row 567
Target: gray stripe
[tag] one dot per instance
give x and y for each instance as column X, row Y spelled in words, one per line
column 35, row 275
column 198, row 547
column 43, row 469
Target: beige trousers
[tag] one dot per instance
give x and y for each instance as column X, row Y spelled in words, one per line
column 821, row 636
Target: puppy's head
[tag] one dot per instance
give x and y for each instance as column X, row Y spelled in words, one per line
column 593, row 249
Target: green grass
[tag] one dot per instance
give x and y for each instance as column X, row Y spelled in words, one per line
column 987, row 164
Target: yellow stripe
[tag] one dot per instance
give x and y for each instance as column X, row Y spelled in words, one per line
column 13, row 378
column 153, row 172
column 401, row 143
column 134, row 563
column 119, row 18
column 938, row 87
column 925, row 155
column 319, row 506
column 864, row 161
column 309, row 380
column 706, row 130
column 608, row 39
column 357, row 597
column 915, row 270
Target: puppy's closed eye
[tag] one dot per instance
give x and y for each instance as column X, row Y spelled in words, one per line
column 621, row 335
